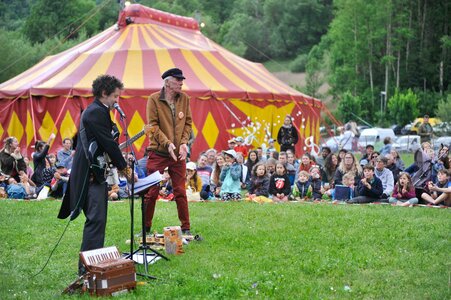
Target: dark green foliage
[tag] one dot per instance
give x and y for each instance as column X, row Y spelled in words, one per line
column 403, row 108
column 298, row 65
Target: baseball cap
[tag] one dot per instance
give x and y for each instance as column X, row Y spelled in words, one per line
column 191, row 166
column 231, row 153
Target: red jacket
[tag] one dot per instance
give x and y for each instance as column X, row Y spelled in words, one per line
column 408, row 195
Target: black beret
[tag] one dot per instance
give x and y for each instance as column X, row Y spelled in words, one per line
column 174, row 72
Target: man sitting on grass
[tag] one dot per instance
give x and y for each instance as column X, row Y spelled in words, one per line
column 369, row 188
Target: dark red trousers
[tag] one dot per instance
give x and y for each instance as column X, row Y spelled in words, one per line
column 177, row 171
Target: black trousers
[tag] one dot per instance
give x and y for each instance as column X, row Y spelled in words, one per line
column 95, row 210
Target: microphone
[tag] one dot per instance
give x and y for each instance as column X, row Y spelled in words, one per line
column 119, row 110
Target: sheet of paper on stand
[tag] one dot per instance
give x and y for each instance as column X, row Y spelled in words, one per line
column 146, row 182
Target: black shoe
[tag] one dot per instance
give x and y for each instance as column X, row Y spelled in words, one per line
column 186, row 232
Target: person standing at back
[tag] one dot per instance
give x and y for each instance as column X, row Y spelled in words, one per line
column 425, row 130
column 169, row 115
column 87, row 190
column 287, row 137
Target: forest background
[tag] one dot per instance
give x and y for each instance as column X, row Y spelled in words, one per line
column 385, row 61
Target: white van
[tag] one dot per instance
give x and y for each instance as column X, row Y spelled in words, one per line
column 375, row 137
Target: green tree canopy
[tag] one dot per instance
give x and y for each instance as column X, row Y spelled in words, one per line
column 403, row 108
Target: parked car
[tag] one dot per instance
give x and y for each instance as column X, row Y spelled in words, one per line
column 396, row 129
column 442, row 129
column 406, row 129
column 407, row 143
column 375, row 137
column 445, row 140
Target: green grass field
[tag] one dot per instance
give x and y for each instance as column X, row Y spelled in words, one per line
column 285, row 251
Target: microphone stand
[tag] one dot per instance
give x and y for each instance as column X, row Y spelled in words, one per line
column 131, row 194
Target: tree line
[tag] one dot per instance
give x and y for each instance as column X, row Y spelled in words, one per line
column 379, row 57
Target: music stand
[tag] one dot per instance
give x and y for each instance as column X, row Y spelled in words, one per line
column 142, row 191
column 144, row 247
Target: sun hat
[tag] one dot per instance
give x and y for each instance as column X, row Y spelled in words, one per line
column 231, row 153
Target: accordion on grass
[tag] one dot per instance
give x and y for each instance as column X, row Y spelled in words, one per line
column 107, row 273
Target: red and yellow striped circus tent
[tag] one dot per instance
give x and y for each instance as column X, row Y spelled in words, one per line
column 230, row 96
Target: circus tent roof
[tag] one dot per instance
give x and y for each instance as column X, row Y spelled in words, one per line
column 137, row 53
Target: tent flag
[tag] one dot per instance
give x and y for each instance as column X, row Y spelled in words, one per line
column 230, row 96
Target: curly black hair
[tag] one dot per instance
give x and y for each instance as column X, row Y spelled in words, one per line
column 107, row 84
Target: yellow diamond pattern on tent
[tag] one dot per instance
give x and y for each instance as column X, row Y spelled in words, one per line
column 210, row 131
column 68, row 128
column 136, row 125
column 29, row 129
column 261, row 118
column 47, row 127
column 194, row 128
column 1, row 130
column 15, row 127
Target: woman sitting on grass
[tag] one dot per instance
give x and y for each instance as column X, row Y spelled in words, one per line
column 404, row 192
column 440, row 192
column 230, row 178
column 348, row 165
column 279, row 184
column 193, row 183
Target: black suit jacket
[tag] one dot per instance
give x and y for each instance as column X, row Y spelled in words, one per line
column 98, row 125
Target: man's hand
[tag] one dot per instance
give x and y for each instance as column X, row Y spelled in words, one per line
column 171, row 149
column 183, row 151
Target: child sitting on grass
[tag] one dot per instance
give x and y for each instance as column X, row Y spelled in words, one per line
column 193, row 183
column 301, row 188
column 345, row 191
column 166, row 187
column 404, row 192
column 259, row 185
column 316, row 183
column 279, row 184
column 440, row 192
column 230, row 178
column 369, row 188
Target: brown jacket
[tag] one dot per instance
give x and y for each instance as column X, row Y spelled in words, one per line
column 166, row 128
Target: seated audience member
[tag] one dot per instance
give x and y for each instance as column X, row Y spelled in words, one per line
column 369, row 188
column 29, row 171
column 230, row 177
column 203, row 170
column 440, row 192
column 392, row 167
column 404, row 192
column 291, row 172
column 193, row 183
column 211, row 157
column 270, row 166
column 344, row 192
column 29, row 186
column 425, row 148
column 341, row 155
column 291, row 157
column 373, row 158
column 387, row 146
column 386, row 177
column 348, row 165
column 279, row 184
column 306, row 162
column 274, row 154
column 315, row 179
column 39, row 160
column 244, row 170
column 259, row 184
column 139, row 173
column 325, row 151
column 142, row 163
column 397, row 159
column 65, row 156
column 58, row 184
column 113, row 192
column 329, row 169
column 215, row 182
column 252, row 160
column 261, row 157
column 11, row 160
column 366, row 157
column 49, row 171
column 271, row 147
column 240, row 147
column 302, row 189
column 442, row 161
column 231, row 144
column 15, row 190
column 166, row 190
